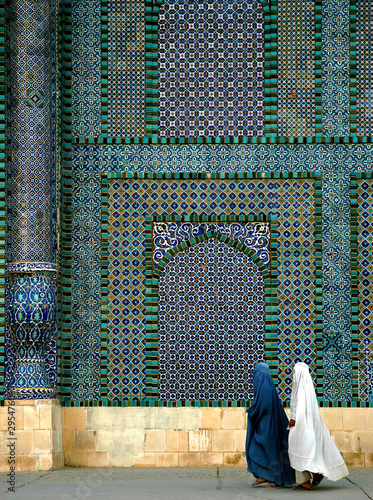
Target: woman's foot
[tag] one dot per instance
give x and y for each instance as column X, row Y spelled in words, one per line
column 272, row 485
column 304, row 486
column 259, row 482
column 316, row 480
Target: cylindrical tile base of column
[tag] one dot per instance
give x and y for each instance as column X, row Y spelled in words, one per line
column 32, row 317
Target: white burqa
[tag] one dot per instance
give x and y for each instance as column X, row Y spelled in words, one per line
column 311, row 448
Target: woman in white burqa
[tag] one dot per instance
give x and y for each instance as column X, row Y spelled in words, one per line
column 312, row 451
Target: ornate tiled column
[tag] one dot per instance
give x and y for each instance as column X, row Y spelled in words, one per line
column 31, row 310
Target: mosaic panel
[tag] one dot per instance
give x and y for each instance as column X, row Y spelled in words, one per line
column 335, row 161
column 86, row 68
column 296, row 68
column 126, row 68
column 211, row 324
column 86, row 297
column 167, row 235
column 336, row 68
column 364, row 70
column 31, row 116
column 365, row 286
column 129, row 201
column 336, row 285
column 211, row 68
column 32, row 324
column 269, row 274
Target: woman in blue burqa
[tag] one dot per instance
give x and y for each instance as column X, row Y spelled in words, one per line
column 267, row 438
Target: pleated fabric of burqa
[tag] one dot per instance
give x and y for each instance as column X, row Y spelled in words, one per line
column 311, row 449
column 266, row 438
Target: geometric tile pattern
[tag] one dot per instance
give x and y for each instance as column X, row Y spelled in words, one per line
column 334, row 161
column 210, row 324
column 35, row 98
column 211, row 68
column 126, row 68
column 86, row 293
column 255, row 236
column 31, row 118
column 364, row 207
column 336, row 278
column 153, row 274
column 334, row 73
column 32, row 321
column 86, row 68
column 336, row 68
column 129, row 201
column 296, row 68
column 364, row 70
column 97, row 54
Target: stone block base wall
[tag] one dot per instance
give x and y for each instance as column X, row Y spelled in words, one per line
column 49, row 436
column 38, row 435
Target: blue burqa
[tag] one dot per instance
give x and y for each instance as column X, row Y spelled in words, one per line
column 266, row 439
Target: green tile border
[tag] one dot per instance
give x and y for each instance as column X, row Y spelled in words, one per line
column 144, row 403
column 353, row 68
column 65, row 256
column 3, row 160
column 152, row 282
column 104, row 283
column 354, row 180
column 58, row 176
column 151, row 68
column 270, row 11
column 319, row 287
column 180, row 141
column 240, row 175
column 108, row 176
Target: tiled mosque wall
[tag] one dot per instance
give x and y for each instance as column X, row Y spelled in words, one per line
column 333, row 164
column 216, row 165
column 113, row 184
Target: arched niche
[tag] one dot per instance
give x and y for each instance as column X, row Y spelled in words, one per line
column 213, row 301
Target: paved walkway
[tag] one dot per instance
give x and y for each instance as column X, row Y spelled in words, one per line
column 176, row 484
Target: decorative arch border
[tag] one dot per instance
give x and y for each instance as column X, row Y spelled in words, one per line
column 152, row 288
